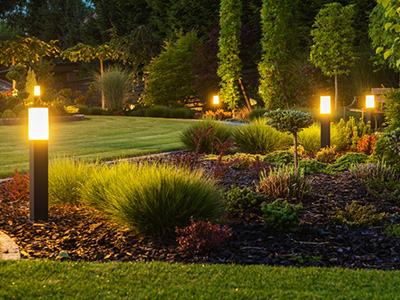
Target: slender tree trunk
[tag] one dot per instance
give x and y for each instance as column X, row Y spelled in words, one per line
column 336, row 92
column 244, row 94
column 103, row 102
column 295, row 152
column 282, row 84
column 13, row 64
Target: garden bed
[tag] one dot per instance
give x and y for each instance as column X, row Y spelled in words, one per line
column 82, row 234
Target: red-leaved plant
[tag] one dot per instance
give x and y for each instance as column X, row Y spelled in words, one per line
column 220, row 166
column 17, row 188
column 202, row 237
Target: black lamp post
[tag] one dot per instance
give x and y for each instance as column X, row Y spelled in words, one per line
column 325, row 111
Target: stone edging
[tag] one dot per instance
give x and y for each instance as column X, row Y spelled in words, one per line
column 60, row 119
column 8, row 248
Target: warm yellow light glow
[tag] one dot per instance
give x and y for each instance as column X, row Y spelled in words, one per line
column 325, row 106
column 36, row 90
column 15, row 92
column 216, row 100
column 370, row 101
column 131, row 106
column 38, row 123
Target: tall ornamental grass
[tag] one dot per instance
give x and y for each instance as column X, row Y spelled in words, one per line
column 310, row 138
column 66, row 175
column 115, row 85
column 258, row 138
column 152, row 199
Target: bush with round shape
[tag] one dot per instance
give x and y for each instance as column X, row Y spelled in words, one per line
column 257, row 113
column 281, row 215
column 243, row 200
column 96, row 111
column 182, row 113
column 12, row 102
column 199, row 137
column 279, row 158
column 258, row 138
column 343, row 163
column 17, row 108
column 23, row 114
column 83, row 109
column 8, row 114
column 153, row 199
column 158, row 112
column 312, row 166
column 327, row 155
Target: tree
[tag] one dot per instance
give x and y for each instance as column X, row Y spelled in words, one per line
column 278, row 44
column 170, row 76
column 229, row 43
column 333, row 36
column 292, row 121
column 87, row 53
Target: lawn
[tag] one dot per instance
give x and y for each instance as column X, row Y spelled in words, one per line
column 82, row 280
column 99, row 137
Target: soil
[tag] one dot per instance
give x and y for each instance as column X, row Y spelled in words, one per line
column 74, row 233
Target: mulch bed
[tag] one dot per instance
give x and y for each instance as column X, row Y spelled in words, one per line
column 82, row 234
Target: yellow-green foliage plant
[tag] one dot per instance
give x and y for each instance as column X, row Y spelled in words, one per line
column 153, row 199
column 310, row 138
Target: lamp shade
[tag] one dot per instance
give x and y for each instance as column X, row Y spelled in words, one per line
column 216, row 100
column 370, row 101
column 36, row 90
column 38, row 123
column 325, row 105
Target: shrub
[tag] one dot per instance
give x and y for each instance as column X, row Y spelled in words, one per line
column 366, row 144
column 158, row 112
column 186, row 159
column 182, row 113
column 115, row 85
column 220, row 114
column 281, row 215
column 392, row 105
column 17, row 189
column 12, row 102
column 199, row 137
column 242, row 200
column 257, row 113
column 152, row 199
column 284, row 182
column 202, row 237
column 83, row 109
column 258, row 166
column 243, row 161
column 345, row 135
column 17, row 108
column 95, row 111
column 393, row 230
column 357, row 215
column 1, row 114
column 258, row 138
column 312, row 166
column 384, row 152
column 344, row 162
column 327, row 155
column 8, row 114
column 279, row 158
column 22, row 114
column 66, row 175
column 310, row 139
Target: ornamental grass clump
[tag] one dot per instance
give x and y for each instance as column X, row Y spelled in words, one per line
column 153, row 199
column 258, row 138
column 66, row 175
column 310, row 139
column 284, row 182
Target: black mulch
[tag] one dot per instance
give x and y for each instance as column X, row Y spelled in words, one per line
column 81, row 234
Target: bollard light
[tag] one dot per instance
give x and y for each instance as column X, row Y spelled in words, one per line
column 325, row 111
column 36, row 90
column 38, row 132
column 216, row 100
column 370, row 101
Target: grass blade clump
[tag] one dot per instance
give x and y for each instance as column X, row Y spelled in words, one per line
column 258, row 138
column 310, row 138
column 65, row 178
column 153, row 199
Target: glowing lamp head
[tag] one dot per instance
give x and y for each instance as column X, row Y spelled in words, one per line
column 325, row 105
column 36, row 90
column 370, row 101
column 216, row 100
column 38, row 123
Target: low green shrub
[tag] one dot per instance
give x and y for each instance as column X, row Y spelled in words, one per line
column 258, row 138
column 257, row 113
column 242, row 200
column 279, row 158
column 66, row 175
column 327, row 155
column 312, row 166
column 393, row 230
column 281, row 215
column 83, row 109
column 284, row 182
column 95, row 111
column 357, row 215
column 243, row 161
column 200, row 137
column 383, row 152
column 182, row 113
column 343, row 163
column 23, row 114
column 17, row 108
column 8, row 114
column 12, row 102
column 158, row 112
column 152, row 199
column 310, row 139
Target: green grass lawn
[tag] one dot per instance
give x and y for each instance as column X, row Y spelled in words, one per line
column 99, row 137
column 82, row 280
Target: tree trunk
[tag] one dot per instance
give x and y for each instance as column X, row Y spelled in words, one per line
column 295, row 152
column 336, row 92
column 282, row 84
column 103, row 102
column 244, row 94
column 13, row 64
